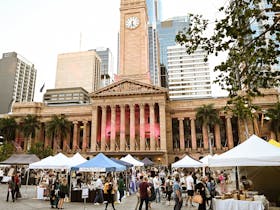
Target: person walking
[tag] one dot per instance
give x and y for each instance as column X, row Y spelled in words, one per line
column 201, row 189
column 144, row 187
column 63, row 191
column 109, row 192
column 168, row 189
column 177, row 194
column 138, row 182
column 11, row 189
column 121, row 187
column 190, row 188
column 99, row 198
column 157, row 183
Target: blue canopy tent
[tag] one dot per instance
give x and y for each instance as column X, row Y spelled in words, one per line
column 100, row 163
column 126, row 164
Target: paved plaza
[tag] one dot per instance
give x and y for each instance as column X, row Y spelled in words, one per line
column 29, row 202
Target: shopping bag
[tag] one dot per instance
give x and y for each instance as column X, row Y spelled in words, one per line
column 197, row 199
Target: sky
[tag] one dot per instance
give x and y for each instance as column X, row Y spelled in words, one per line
column 39, row 30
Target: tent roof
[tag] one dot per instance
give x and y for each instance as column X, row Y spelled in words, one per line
column 21, row 159
column 122, row 162
column 252, row 152
column 42, row 164
column 77, row 159
column 205, row 160
column 129, row 159
column 187, row 162
column 273, row 142
column 147, row 162
column 100, row 163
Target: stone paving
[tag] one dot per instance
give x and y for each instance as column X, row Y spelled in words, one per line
column 29, row 202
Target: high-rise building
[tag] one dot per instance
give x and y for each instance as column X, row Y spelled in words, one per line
column 107, row 68
column 17, row 80
column 188, row 75
column 152, row 7
column 167, row 31
column 78, row 69
column 259, row 26
column 154, row 64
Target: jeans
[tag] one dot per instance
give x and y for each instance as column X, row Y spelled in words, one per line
column 99, row 196
column 13, row 194
column 178, row 204
column 157, row 195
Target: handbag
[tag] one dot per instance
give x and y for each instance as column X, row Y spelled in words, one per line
column 197, row 199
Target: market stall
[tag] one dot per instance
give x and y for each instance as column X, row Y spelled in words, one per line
column 99, row 164
column 187, row 162
column 147, row 162
column 129, row 159
column 252, row 152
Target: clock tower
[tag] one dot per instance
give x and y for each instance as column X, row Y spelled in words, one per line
column 134, row 57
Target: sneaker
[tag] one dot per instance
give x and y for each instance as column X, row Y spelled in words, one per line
column 96, row 204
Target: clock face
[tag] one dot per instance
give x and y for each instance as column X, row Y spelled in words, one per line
column 132, row 22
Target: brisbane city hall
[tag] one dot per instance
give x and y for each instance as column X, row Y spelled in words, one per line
column 132, row 116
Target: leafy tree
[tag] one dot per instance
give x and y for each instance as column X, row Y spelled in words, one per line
column 8, row 128
column 274, row 115
column 251, row 55
column 58, row 128
column 29, row 125
column 39, row 150
column 6, row 150
column 207, row 116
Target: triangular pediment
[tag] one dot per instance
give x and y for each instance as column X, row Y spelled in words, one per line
column 128, row 87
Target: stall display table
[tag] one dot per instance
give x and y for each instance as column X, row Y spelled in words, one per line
column 231, row 204
column 76, row 196
column 40, row 192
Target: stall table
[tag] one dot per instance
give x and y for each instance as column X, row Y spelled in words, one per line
column 76, row 196
column 231, row 204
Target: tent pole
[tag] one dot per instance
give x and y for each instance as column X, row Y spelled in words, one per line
column 236, row 178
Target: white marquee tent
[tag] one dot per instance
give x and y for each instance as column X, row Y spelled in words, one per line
column 187, row 162
column 77, row 159
column 252, row 152
column 132, row 160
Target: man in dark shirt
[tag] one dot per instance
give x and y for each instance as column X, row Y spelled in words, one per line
column 143, row 187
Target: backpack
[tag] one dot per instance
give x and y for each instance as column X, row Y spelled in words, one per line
column 153, row 193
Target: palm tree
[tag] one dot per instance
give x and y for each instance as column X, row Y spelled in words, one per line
column 207, row 116
column 8, row 128
column 29, row 125
column 274, row 116
column 58, row 128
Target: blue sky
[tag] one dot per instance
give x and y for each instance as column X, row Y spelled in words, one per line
column 39, row 30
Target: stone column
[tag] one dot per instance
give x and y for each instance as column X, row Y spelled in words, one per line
column 103, row 128
column 47, row 139
column 132, row 127
column 75, row 136
column 113, row 128
column 142, row 127
column 229, row 132
column 122, row 128
column 94, row 124
column 85, row 142
column 66, row 143
column 181, row 133
column 162, row 116
column 193, row 133
column 152, row 126
column 218, row 136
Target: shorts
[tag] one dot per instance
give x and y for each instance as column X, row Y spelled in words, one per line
column 190, row 192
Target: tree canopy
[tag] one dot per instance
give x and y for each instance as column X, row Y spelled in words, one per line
column 252, row 52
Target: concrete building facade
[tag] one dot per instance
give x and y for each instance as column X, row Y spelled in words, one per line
column 78, row 69
column 188, row 75
column 17, row 80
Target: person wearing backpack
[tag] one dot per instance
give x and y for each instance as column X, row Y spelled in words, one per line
column 109, row 192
